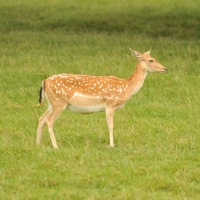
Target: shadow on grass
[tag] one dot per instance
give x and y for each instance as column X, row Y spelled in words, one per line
column 181, row 24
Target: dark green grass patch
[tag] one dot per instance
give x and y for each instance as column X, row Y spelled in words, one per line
column 148, row 19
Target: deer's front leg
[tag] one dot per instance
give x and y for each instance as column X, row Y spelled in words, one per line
column 110, row 121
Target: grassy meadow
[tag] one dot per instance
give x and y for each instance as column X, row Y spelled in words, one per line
column 157, row 133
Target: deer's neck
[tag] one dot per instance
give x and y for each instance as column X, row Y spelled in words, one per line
column 136, row 81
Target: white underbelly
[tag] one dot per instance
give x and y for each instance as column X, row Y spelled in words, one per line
column 86, row 109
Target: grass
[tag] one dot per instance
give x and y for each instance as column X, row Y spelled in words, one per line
column 157, row 141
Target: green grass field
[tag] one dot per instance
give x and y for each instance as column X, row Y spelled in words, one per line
column 157, row 133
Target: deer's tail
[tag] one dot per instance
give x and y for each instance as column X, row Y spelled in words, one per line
column 41, row 93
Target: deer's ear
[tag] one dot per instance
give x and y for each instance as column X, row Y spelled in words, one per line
column 148, row 52
column 136, row 54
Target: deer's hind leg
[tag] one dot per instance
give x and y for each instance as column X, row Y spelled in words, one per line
column 50, row 120
column 42, row 121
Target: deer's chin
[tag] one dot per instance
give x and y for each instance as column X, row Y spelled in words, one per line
column 160, row 71
column 164, row 70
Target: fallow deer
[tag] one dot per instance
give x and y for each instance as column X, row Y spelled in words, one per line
column 90, row 94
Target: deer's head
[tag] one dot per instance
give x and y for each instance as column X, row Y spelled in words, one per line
column 147, row 62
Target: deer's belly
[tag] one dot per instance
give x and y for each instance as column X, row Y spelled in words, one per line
column 81, row 103
column 86, row 109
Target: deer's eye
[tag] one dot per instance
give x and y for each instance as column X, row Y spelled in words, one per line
column 151, row 61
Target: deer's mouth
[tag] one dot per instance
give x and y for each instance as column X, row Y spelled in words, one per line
column 163, row 70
